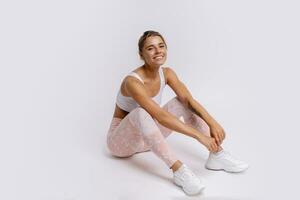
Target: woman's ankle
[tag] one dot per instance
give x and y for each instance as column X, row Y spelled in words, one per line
column 176, row 165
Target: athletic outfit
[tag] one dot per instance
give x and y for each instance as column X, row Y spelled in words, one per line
column 138, row 131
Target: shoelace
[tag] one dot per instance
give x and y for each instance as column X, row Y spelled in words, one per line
column 188, row 174
column 229, row 157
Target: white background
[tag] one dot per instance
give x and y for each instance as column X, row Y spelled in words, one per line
column 62, row 63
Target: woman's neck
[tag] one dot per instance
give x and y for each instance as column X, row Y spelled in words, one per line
column 150, row 72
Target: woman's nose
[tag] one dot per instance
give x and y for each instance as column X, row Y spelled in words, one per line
column 157, row 50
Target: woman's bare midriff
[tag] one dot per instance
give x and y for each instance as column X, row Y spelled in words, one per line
column 119, row 113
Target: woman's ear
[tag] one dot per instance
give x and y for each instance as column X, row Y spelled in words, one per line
column 141, row 56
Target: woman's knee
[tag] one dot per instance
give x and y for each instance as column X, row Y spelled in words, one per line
column 175, row 104
column 142, row 120
column 139, row 113
column 177, row 108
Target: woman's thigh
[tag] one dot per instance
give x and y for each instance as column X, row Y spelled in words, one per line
column 123, row 138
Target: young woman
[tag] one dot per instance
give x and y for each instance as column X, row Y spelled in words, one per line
column 140, row 124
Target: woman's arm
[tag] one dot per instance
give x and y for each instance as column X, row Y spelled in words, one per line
column 186, row 98
column 138, row 92
column 216, row 130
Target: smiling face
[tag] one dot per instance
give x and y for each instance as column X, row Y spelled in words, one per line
column 154, row 51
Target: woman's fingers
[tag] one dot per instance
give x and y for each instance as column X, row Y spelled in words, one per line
column 214, row 146
column 223, row 135
column 218, row 140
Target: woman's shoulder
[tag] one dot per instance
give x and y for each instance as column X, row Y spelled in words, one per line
column 168, row 69
column 131, row 83
column 169, row 72
column 132, row 77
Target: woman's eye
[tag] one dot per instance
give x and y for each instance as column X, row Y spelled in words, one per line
column 150, row 49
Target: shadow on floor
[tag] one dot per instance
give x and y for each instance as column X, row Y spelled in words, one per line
column 142, row 165
column 200, row 197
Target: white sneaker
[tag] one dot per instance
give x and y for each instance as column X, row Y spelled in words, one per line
column 223, row 160
column 190, row 183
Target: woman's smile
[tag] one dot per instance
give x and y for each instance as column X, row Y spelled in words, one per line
column 159, row 57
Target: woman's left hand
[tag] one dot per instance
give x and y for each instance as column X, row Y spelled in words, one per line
column 217, row 132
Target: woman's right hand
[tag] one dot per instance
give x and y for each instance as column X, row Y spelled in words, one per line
column 209, row 142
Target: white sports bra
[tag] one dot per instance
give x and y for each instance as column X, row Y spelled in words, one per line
column 128, row 103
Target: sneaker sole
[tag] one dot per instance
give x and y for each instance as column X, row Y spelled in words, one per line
column 230, row 171
column 197, row 193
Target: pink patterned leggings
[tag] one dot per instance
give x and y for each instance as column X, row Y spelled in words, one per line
column 139, row 132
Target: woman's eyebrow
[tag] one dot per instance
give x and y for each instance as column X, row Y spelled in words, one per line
column 149, row 46
column 153, row 45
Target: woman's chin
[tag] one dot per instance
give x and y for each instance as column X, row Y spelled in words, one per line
column 156, row 63
column 159, row 63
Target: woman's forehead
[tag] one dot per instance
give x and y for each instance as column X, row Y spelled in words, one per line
column 153, row 40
